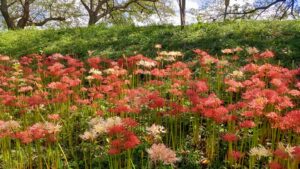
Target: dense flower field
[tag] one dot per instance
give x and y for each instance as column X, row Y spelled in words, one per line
column 232, row 111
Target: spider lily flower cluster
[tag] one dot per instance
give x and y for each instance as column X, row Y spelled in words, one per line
column 235, row 111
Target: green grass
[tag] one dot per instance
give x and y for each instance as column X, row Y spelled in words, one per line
column 118, row 40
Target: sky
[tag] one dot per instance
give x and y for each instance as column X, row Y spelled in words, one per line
column 196, row 4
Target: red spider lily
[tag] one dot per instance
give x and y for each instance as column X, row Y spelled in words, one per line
column 131, row 62
column 72, row 71
column 8, row 100
column 291, row 121
column 117, row 129
column 281, row 154
column 56, row 69
column 193, row 96
column 295, row 93
column 25, row 60
column 175, row 92
column 235, row 155
column 159, row 152
column 106, row 88
column 120, row 108
column 158, row 72
column 176, row 109
column 128, row 142
column 271, row 95
column 284, row 102
column 129, row 122
column 36, row 99
column 178, row 83
column 212, row 101
column 56, row 56
column 70, row 82
column 4, row 70
column 248, row 114
column 73, row 62
column 229, row 137
column 94, row 62
column 4, row 58
column 73, row 108
column 199, row 86
column 296, row 153
column 135, row 98
column 228, row 51
column 207, row 60
column 274, row 118
column 8, row 128
column 178, row 70
column 247, row 124
column 271, row 71
column 185, row 73
column 258, row 99
column 297, row 85
column 235, row 57
column 114, row 151
column 25, row 89
column 209, row 107
column 115, row 147
column 234, row 86
column 58, row 85
column 254, row 83
column 140, row 72
column 231, row 118
column 81, row 101
column 62, row 97
column 200, row 52
column 277, row 82
column 275, row 165
column 267, row 54
column 154, row 100
column 117, row 143
column 282, row 89
column 221, row 115
column 24, row 136
column 177, row 67
column 54, row 117
column 131, row 141
column 125, row 139
column 38, row 131
column 258, row 103
column 99, row 113
column 155, row 83
column 236, row 106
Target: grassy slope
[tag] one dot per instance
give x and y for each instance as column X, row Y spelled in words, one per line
column 117, row 40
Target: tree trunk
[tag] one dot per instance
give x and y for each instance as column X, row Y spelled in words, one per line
column 92, row 19
column 226, row 8
column 182, row 12
column 25, row 17
column 4, row 10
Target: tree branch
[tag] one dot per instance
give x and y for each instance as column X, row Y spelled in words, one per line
column 99, row 6
column 85, row 5
column 256, row 9
column 156, row 10
column 41, row 23
column 11, row 4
